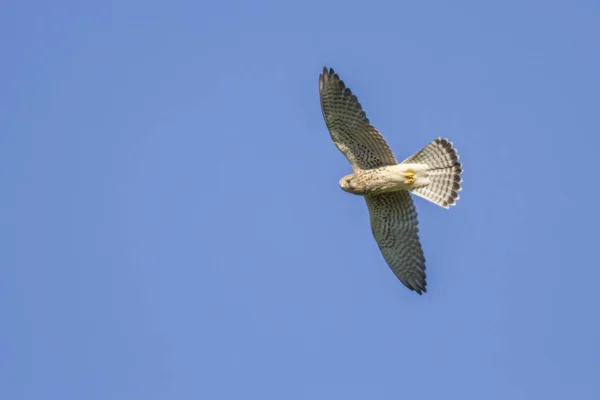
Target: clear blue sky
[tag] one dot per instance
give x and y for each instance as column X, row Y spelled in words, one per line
column 172, row 225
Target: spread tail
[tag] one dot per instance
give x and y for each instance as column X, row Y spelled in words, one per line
column 442, row 169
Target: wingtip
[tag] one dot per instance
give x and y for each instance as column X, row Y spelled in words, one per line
column 422, row 289
column 416, row 286
column 326, row 73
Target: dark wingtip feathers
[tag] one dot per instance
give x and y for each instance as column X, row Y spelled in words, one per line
column 417, row 283
column 419, row 289
column 327, row 75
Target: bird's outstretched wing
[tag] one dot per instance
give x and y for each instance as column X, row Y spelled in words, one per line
column 395, row 227
column 350, row 129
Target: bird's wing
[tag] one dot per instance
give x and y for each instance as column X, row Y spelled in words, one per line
column 395, row 227
column 350, row 129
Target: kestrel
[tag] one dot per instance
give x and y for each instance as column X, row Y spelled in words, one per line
column 432, row 173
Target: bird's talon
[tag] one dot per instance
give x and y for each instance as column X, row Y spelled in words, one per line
column 411, row 177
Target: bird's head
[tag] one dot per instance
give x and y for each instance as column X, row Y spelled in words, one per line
column 349, row 184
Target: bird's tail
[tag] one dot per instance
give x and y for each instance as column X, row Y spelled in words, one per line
column 442, row 170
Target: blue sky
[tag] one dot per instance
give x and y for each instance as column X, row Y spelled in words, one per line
column 172, row 225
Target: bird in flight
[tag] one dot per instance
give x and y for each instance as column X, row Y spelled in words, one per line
column 432, row 173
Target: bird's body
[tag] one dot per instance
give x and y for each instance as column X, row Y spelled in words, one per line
column 432, row 173
column 388, row 179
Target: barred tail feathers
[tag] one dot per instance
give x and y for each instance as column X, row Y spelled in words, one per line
column 443, row 170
